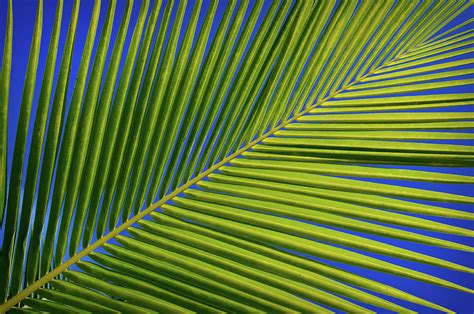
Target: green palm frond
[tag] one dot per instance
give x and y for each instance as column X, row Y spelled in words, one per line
column 234, row 165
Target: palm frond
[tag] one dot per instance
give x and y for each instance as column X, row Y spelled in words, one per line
column 241, row 157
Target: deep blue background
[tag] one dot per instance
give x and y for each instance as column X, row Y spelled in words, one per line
column 24, row 17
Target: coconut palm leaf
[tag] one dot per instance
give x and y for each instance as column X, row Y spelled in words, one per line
column 244, row 157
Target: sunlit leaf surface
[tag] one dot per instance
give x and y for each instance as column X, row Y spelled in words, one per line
column 237, row 157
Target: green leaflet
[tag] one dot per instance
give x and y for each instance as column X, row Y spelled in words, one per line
column 72, row 302
column 266, row 264
column 407, row 125
column 147, row 131
column 439, row 16
column 269, row 297
column 376, row 156
column 385, row 22
column 440, row 47
column 290, row 46
column 95, row 300
column 393, row 108
column 363, row 145
column 343, row 184
column 186, row 282
column 413, row 79
column 188, row 295
column 195, row 114
column 385, row 135
column 67, row 145
column 160, row 294
column 430, row 68
column 113, row 123
column 390, row 117
column 279, row 207
column 131, row 97
column 182, row 98
column 323, row 200
column 83, row 136
column 451, row 30
column 402, row 13
column 167, row 261
column 369, row 22
column 209, row 113
column 4, row 94
column 306, row 246
column 353, row 171
column 414, row 24
column 15, row 183
column 127, row 116
column 241, row 130
column 86, row 190
column 167, row 175
column 261, row 276
column 340, row 52
column 51, row 147
column 201, row 161
column 406, row 88
column 402, row 100
column 105, row 153
column 51, row 306
column 336, row 26
column 425, row 60
column 137, row 299
column 309, row 265
column 304, row 230
column 35, row 153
